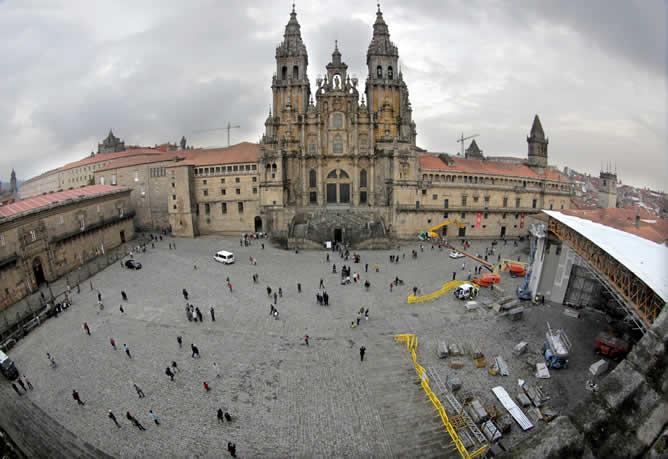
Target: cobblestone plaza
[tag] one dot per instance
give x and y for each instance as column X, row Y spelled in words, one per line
column 286, row 398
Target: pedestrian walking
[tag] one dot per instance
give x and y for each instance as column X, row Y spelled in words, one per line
column 27, row 381
column 358, row 319
column 322, row 284
column 75, row 396
column 200, row 316
column 377, row 267
column 366, row 314
column 134, row 421
column 140, row 392
column 362, row 352
column 175, row 368
column 120, row 307
column 454, row 275
column 99, row 296
column 85, row 327
column 112, row 416
column 232, row 449
column 16, row 389
column 213, row 314
column 219, row 415
column 268, row 291
column 127, row 350
column 52, row 360
column 170, row 373
column 390, row 287
column 22, row 384
column 228, row 418
column 179, row 339
column 113, row 343
column 206, row 386
column 154, row 417
column 469, row 276
column 299, row 287
column 275, row 298
column 463, row 266
column 185, row 294
column 216, row 370
column 280, row 292
column 306, row 339
column 195, row 351
column 229, row 285
column 325, row 298
column 366, row 268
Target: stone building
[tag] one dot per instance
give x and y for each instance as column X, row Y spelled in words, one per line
column 607, row 190
column 473, row 152
column 44, row 237
column 111, row 144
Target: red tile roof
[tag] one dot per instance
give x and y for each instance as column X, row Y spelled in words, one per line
column 649, row 227
column 244, row 152
column 46, row 200
column 144, row 159
column 488, row 167
column 110, row 156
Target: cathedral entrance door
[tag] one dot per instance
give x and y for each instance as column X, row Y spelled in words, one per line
column 331, row 193
column 338, row 187
column 338, row 235
column 38, row 271
column 258, row 224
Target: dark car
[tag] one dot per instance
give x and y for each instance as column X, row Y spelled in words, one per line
column 131, row 264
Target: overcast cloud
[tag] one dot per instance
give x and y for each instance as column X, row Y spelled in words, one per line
column 594, row 71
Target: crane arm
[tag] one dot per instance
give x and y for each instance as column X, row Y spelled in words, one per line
column 444, row 224
column 489, row 266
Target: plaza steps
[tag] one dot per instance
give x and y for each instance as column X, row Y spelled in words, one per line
column 318, row 224
column 39, row 435
column 412, row 427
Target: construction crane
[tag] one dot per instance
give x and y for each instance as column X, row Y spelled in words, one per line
column 462, row 139
column 432, row 231
column 227, row 128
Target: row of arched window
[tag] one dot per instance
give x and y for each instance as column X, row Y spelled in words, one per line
column 390, row 72
column 295, row 72
column 336, row 174
column 490, row 181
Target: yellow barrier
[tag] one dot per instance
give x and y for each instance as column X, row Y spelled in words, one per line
column 446, row 288
column 411, row 346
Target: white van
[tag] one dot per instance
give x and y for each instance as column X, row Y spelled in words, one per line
column 466, row 292
column 224, row 257
column 7, row 367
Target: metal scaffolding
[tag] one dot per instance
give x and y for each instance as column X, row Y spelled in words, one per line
column 638, row 299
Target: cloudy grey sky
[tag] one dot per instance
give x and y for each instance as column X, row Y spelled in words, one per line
column 594, row 71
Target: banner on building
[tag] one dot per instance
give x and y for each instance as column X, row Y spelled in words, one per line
column 478, row 218
column 522, row 221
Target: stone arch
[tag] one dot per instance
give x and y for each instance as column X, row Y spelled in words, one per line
column 284, row 73
column 379, row 71
column 390, row 73
column 338, row 187
column 295, row 72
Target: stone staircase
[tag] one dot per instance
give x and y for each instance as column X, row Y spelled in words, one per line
column 356, row 225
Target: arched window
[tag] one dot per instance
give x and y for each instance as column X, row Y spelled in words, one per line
column 363, row 178
column 284, row 73
column 273, row 167
column 390, row 74
column 295, row 72
column 379, row 71
column 338, row 187
column 343, row 174
column 337, row 121
column 312, row 178
column 338, row 144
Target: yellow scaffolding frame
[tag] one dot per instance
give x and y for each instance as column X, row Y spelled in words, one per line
column 411, row 346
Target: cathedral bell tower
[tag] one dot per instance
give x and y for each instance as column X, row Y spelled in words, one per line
column 537, row 146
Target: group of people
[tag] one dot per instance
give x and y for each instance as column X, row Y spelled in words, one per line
column 194, row 313
column 362, row 313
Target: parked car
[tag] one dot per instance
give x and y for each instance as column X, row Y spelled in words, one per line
column 132, row 264
column 455, row 254
column 7, row 367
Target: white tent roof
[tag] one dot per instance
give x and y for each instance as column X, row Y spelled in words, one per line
column 644, row 258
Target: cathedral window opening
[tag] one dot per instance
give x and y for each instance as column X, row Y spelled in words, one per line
column 207, row 209
column 363, row 178
column 338, row 187
column 311, row 148
column 332, row 175
column 295, row 72
column 475, row 179
column 437, row 178
column 173, row 197
column 313, row 197
column 284, row 73
column 363, row 197
column 379, row 71
column 338, row 144
column 273, row 167
column 217, row 169
column 337, row 121
column 312, row 182
column 424, row 192
column 390, row 73
column 240, row 207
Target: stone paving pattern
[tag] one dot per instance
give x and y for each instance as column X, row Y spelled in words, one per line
column 286, row 398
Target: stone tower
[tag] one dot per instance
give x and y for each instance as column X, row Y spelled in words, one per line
column 607, row 190
column 473, row 152
column 111, row 144
column 13, row 188
column 537, row 146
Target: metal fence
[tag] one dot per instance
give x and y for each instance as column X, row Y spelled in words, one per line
column 22, row 316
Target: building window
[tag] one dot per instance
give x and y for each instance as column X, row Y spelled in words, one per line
column 550, row 206
column 218, row 170
column 253, row 167
column 101, row 180
column 390, row 73
column 142, row 188
column 173, row 197
column 363, row 178
column 238, row 190
column 434, row 197
column 517, row 203
column 254, row 179
column 475, row 198
column 247, row 167
column 424, row 192
column 295, row 72
column 562, row 206
column 222, row 191
column 222, row 180
column 337, row 121
column 223, row 207
column 338, row 144
column 463, row 215
column 236, row 179
column 446, row 203
column 203, row 182
column 505, row 202
column 173, row 185
column 206, row 192
column 113, row 179
column 486, row 203
column 207, row 209
column 534, row 203
column 60, row 222
column 235, row 168
column 379, row 71
column 254, row 190
column 362, row 197
column 82, row 223
column 136, row 176
column 229, row 168
column 240, row 205
column 463, row 201
column 311, row 148
column 313, row 197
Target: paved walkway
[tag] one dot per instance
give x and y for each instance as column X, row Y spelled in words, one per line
column 286, row 398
